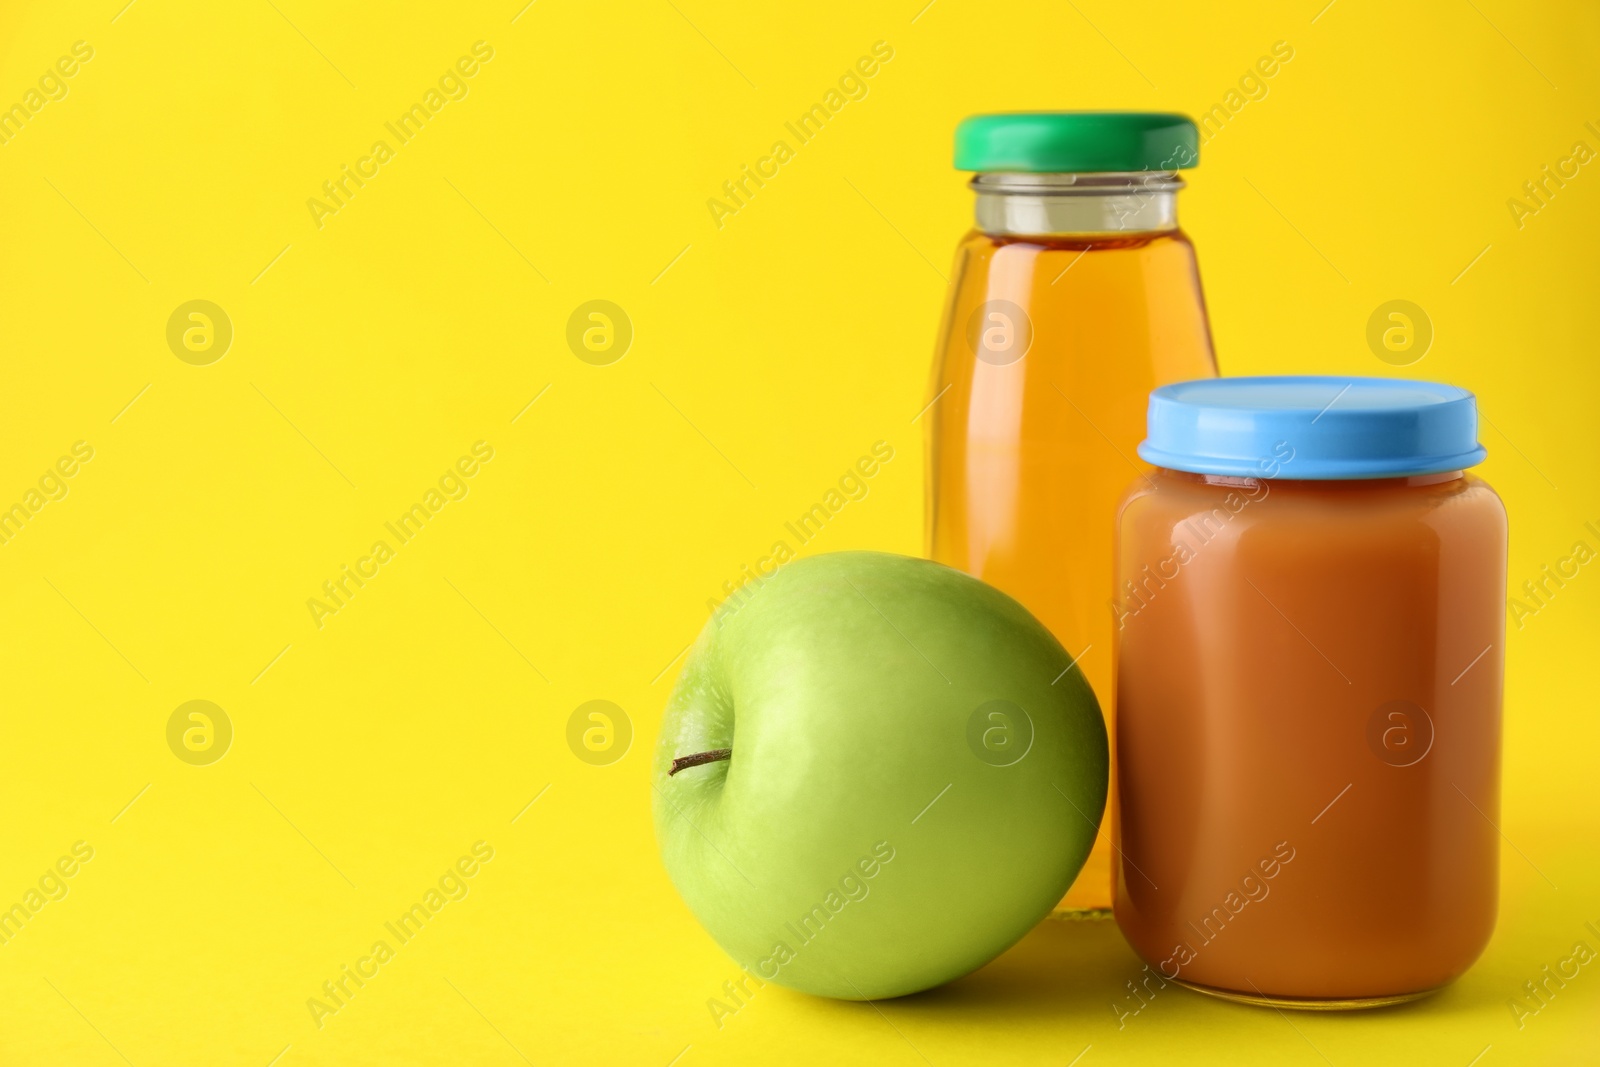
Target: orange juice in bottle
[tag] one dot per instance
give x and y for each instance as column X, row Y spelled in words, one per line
column 1073, row 297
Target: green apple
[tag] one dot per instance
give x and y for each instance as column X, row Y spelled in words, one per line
column 875, row 774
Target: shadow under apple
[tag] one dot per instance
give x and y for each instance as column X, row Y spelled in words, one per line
column 1066, row 967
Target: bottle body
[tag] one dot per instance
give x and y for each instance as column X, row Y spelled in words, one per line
column 1050, row 345
column 1309, row 702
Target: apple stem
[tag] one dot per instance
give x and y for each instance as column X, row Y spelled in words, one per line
column 683, row 763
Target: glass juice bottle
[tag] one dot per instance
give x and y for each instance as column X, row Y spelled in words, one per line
column 1073, row 297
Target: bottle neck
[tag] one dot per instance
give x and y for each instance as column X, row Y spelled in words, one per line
column 1052, row 204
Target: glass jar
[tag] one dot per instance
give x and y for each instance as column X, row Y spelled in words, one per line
column 1309, row 660
column 1076, row 294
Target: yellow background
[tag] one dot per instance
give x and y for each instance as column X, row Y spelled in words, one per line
column 768, row 355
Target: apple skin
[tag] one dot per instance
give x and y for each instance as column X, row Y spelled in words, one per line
column 846, row 686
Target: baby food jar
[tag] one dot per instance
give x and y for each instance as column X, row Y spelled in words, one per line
column 1310, row 635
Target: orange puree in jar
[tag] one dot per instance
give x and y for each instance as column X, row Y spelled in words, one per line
column 1309, row 678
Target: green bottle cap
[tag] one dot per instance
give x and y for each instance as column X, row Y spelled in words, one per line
column 1077, row 142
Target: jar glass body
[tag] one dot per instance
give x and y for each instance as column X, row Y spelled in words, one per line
column 1309, row 679
column 1074, row 297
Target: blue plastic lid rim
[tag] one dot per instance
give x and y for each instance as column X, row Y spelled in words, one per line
column 1312, row 428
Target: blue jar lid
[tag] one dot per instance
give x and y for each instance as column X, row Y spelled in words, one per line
column 1312, row 428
